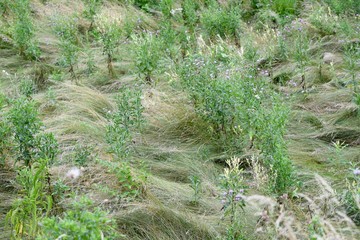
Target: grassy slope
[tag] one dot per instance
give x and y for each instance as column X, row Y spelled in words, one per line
column 173, row 145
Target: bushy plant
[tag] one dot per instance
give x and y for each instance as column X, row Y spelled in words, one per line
column 301, row 55
column 23, row 30
column 29, row 143
column 79, row 222
column 166, row 7
column 34, row 202
column 109, row 35
column 82, row 155
column 284, row 7
column 147, row 56
column 189, row 12
column 225, row 22
column 92, row 7
column 25, row 123
column 66, row 30
column 123, row 121
column 344, row 6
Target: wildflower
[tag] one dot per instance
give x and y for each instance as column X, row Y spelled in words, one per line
column 231, row 192
column 223, row 201
column 237, row 197
column 356, row 171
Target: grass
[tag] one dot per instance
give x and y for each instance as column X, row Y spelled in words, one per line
column 176, row 143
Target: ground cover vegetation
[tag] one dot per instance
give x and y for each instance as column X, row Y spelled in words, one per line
column 179, row 119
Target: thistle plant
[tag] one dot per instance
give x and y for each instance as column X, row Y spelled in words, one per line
column 23, row 30
column 109, row 35
column 232, row 183
column 301, row 55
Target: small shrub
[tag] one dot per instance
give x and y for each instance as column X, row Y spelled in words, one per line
column 344, row 6
column 189, row 12
column 92, row 7
column 82, row 155
column 30, row 144
column 147, row 56
column 66, row 30
column 25, row 123
column 23, row 30
column 284, row 7
column 123, row 121
column 109, row 35
column 222, row 22
column 79, row 222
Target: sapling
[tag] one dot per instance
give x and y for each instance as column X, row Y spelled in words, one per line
column 147, row 50
column 109, row 36
column 92, row 7
column 23, row 30
column 67, row 32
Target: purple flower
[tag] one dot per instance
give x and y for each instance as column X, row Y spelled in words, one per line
column 231, row 191
column 223, row 201
column 237, row 197
column 356, row 171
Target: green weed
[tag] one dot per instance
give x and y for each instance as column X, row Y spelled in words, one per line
column 34, row 202
column 23, row 30
column 79, row 222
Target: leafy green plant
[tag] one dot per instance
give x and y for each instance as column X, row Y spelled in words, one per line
column 25, row 122
column 109, row 35
column 23, row 30
column 344, row 6
column 82, row 155
column 92, row 7
column 284, row 7
column 232, row 182
column 130, row 185
column 29, row 143
column 189, row 13
column 222, row 21
column 166, row 7
column 352, row 59
column 34, row 202
column 81, row 221
column 196, row 186
column 147, row 56
column 123, row 121
column 66, row 30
